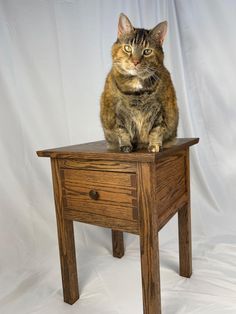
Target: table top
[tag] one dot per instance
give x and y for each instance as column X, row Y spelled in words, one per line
column 98, row 150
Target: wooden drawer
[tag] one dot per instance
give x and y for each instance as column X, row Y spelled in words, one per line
column 111, row 194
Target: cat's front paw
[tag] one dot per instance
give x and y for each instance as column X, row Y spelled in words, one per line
column 126, row 149
column 154, row 148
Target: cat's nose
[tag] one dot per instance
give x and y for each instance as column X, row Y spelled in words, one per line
column 136, row 61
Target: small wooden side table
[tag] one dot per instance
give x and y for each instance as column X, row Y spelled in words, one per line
column 137, row 193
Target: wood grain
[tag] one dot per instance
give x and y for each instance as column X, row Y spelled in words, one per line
column 171, row 211
column 136, row 193
column 118, row 243
column 103, row 221
column 184, row 221
column 102, row 178
column 149, row 239
column 113, row 166
column 170, row 180
column 116, row 192
column 98, row 151
column 66, row 242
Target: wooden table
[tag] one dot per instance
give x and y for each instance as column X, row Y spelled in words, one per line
column 137, row 193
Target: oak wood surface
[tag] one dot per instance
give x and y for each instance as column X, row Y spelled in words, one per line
column 116, row 192
column 66, row 242
column 170, row 180
column 166, row 215
column 118, row 243
column 113, row 166
column 124, row 225
column 149, row 239
column 184, row 223
column 136, row 193
column 98, row 151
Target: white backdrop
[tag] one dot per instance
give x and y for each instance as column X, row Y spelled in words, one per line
column 54, row 56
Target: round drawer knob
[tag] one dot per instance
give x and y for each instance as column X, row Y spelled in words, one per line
column 93, row 194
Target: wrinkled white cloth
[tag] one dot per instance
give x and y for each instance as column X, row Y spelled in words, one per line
column 54, row 57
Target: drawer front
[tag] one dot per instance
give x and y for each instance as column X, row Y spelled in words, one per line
column 111, row 194
column 99, row 165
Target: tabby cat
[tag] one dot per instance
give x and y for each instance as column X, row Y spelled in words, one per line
column 138, row 104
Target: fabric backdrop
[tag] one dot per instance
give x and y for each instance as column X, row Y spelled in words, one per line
column 54, row 57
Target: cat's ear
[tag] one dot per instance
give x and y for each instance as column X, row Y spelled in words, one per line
column 124, row 25
column 159, row 32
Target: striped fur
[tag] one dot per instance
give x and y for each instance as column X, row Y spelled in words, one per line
column 138, row 106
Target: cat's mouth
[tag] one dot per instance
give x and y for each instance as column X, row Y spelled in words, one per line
column 142, row 73
column 135, row 70
column 138, row 70
column 128, row 70
column 132, row 71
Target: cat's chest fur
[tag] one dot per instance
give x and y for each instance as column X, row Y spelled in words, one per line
column 133, row 84
column 143, row 119
column 138, row 119
column 136, row 84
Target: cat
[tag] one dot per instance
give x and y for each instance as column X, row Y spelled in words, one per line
column 138, row 107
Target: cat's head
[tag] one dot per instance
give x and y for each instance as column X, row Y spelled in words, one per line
column 138, row 51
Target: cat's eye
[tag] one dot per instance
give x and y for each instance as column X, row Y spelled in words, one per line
column 127, row 48
column 147, row 51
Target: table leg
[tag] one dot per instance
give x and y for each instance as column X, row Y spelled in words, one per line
column 184, row 220
column 150, row 273
column 118, row 243
column 185, row 242
column 149, row 249
column 68, row 262
column 66, row 242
